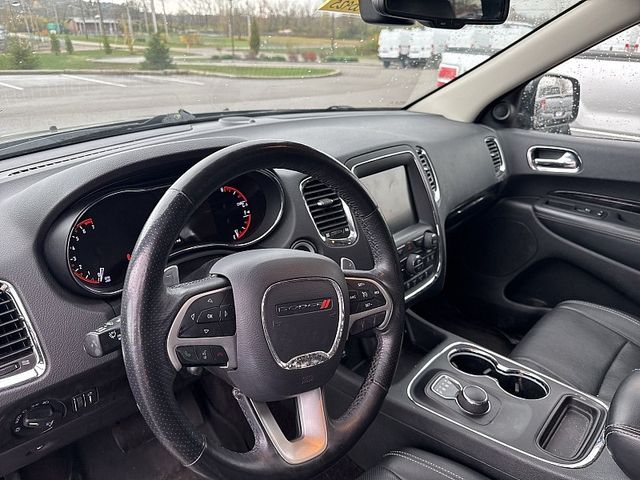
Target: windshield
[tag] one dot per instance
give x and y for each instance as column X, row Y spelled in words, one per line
column 67, row 64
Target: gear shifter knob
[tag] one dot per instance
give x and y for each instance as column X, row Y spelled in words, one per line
column 473, row 400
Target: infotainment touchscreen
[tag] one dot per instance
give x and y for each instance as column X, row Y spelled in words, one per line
column 390, row 189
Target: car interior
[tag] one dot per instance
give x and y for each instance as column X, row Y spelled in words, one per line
column 439, row 291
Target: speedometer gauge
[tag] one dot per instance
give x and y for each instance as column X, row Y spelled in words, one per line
column 231, row 212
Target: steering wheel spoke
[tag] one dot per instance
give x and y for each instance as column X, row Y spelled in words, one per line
column 203, row 331
column 313, row 425
column 370, row 304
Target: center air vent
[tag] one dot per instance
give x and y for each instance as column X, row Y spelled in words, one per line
column 496, row 154
column 20, row 356
column 330, row 214
column 429, row 172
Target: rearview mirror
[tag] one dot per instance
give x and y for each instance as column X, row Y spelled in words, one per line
column 550, row 103
column 445, row 13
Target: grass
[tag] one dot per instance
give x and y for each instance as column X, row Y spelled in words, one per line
column 76, row 61
column 82, row 61
column 264, row 72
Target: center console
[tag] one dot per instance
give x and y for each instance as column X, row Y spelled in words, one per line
column 507, row 403
column 405, row 188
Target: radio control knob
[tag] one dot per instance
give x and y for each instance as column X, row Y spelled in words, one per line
column 430, row 240
column 415, row 263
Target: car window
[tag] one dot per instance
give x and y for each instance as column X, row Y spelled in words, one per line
column 66, row 64
column 601, row 82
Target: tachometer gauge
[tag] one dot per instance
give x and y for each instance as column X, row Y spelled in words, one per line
column 87, row 259
column 100, row 244
column 231, row 213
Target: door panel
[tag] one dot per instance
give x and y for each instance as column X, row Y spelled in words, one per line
column 554, row 236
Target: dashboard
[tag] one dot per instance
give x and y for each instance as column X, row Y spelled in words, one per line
column 70, row 217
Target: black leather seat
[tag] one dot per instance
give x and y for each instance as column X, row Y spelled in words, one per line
column 414, row 464
column 587, row 346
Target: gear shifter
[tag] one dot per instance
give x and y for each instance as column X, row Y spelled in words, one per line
column 473, row 400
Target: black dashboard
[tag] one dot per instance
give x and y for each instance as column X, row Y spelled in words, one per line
column 69, row 219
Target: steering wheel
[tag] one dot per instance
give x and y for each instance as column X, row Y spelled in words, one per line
column 292, row 319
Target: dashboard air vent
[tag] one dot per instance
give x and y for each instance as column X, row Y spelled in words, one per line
column 20, row 354
column 495, row 153
column 15, row 342
column 429, row 172
column 330, row 214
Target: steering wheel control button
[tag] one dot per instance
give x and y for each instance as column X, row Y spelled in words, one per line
column 187, row 355
column 446, row 387
column 209, row 315
column 202, row 355
column 212, row 315
column 367, row 323
column 473, row 400
column 364, row 296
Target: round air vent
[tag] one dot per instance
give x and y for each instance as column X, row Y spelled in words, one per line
column 304, row 245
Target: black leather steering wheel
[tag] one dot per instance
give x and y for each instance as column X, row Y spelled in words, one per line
column 275, row 353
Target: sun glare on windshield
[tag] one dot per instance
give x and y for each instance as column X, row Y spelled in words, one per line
column 74, row 63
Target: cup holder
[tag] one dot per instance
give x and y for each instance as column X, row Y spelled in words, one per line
column 514, row 382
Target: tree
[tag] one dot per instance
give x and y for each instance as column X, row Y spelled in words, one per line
column 21, row 55
column 106, row 46
column 68, row 45
column 254, row 37
column 55, row 44
column 156, row 56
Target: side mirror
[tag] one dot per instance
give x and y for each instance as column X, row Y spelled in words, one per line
column 550, row 103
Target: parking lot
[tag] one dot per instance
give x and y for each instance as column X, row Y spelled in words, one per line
column 36, row 102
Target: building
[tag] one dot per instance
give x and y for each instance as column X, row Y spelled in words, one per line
column 91, row 26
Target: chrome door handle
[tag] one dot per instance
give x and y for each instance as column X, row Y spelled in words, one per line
column 554, row 159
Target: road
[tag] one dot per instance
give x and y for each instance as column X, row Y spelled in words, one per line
column 36, row 102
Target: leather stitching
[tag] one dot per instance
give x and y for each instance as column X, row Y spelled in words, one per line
column 426, row 464
column 624, row 433
column 593, row 319
column 606, row 309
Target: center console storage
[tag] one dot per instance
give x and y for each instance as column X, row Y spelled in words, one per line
column 508, row 403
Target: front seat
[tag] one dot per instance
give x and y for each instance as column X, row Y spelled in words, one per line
column 587, row 346
column 414, row 464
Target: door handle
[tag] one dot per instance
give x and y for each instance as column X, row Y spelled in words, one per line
column 554, row 159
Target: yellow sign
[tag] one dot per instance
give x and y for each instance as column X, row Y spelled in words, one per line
column 351, row 7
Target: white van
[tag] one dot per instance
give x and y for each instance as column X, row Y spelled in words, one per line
column 421, row 50
column 393, row 46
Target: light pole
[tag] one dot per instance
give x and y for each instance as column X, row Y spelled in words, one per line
column 154, row 20
column 166, row 23
column 233, row 45
column 100, row 19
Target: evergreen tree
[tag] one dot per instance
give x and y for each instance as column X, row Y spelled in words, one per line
column 68, row 45
column 156, row 56
column 106, row 46
column 254, row 37
column 21, row 54
column 55, row 43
